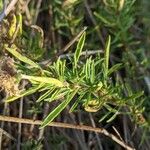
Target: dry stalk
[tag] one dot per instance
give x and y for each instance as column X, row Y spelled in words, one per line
column 69, row 126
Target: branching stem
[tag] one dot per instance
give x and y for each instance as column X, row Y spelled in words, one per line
column 69, row 126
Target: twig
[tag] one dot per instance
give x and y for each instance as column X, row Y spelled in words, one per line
column 97, row 137
column 20, row 116
column 117, row 133
column 69, row 126
column 19, row 125
column 86, row 53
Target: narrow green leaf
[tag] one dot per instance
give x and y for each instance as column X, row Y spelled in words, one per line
column 134, row 96
column 113, row 117
column 106, row 60
column 76, row 102
column 47, row 80
column 22, row 58
column 24, row 93
column 110, row 109
column 92, row 77
column 103, row 19
column 58, row 109
column 86, row 69
column 60, row 95
column 104, row 117
column 114, row 68
column 55, row 94
column 79, row 48
column 45, row 95
column 128, row 88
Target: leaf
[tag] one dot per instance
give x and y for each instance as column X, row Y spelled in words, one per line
column 53, row 94
column 88, row 68
column 58, row 109
column 92, row 76
column 24, row 93
column 106, row 60
column 45, row 95
column 92, row 105
column 103, row 19
column 113, row 117
column 76, row 102
column 79, row 48
column 104, row 117
column 48, row 80
column 121, row 5
column 114, row 68
column 134, row 96
column 19, row 19
column 69, row 3
column 12, row 28
column 59, row 67
column 110, row 109
column 22, row 58
column 58, row 95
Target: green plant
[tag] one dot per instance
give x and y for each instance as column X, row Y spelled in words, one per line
column 106, row 80
column 87, row 84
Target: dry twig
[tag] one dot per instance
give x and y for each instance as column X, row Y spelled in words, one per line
column 69, row 126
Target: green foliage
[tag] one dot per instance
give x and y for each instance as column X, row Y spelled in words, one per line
column 95, row 83
column 118, row 19
column 90, row 81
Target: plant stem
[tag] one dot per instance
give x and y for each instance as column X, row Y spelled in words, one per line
column 69, row 126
